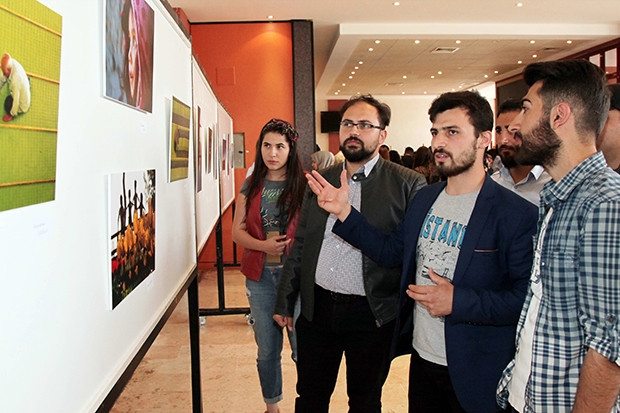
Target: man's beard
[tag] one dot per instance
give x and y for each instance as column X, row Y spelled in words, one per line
column 540, row 146
column 465, row 162
column 508, row 160
column 356, row 155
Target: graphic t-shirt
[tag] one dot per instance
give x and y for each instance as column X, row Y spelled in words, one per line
column 439, row 244
column 274, row 222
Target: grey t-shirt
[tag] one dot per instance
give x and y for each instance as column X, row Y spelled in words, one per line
column 439, row 244
column 273, row 220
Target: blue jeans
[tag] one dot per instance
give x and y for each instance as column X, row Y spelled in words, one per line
column 267, row 333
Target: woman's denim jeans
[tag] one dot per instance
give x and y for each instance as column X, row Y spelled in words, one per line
column 267, row 333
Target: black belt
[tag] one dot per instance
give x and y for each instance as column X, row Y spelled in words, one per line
column 338, row 297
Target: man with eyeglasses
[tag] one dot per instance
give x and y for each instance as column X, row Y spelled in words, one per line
column 525, row 180
column 348, row 303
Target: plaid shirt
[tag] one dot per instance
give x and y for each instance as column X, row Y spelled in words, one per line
column 580, row 274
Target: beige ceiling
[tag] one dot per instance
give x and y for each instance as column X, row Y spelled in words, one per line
column 494, row 36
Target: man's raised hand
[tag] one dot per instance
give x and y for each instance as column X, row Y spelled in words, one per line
column 333, row 200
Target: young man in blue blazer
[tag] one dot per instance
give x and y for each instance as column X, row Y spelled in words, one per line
column 466, row 250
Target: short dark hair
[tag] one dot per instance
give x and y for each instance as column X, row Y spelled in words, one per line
column 577, row 82
column 383, row 109
column 510, row 105
column 477, row 107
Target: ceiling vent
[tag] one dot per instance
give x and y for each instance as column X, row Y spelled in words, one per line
column 551, row 49
column 394, row 84
column 445, row 50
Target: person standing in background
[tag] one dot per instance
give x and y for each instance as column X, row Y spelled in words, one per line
column 608, row 140
column 264, row 225
column 525, row 180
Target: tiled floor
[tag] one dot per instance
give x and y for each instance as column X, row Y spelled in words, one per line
column 162, row 381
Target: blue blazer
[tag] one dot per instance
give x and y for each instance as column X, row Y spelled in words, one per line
column 490, row 282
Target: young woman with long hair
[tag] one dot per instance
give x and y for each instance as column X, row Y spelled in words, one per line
column 265, row 220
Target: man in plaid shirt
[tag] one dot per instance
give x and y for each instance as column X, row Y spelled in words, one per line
column 568, row 346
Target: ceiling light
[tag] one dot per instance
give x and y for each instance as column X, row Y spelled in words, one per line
column 532, row 41
column 377, row 41
column 519, row 5
column 534, row 56
column 519, row 62
column 370, row 49
column 425, row 92
column 496, row 72
column 404, row 76
column 344, row 84
column 439, row 73
column 433, row 77
column 458, row 42
column 270, row 17
column 486, row 76
column 417, row 42
column 352, row 73
column 350, row 77
column 402, row 93
column 396, row 3
column 356, row 67
column 360, row 62
column 335, row 93
column 569, row 41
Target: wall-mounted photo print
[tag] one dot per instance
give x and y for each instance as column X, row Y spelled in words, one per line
column 132, row 230
column 29, row 88
column 179, row 140
column 210, row 151
column 129, row 30
column 198, row 149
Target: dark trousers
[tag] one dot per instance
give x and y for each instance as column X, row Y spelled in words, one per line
column 430, row 388
column 341, row 325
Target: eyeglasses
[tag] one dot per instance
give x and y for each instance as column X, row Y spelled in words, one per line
column 361, row 125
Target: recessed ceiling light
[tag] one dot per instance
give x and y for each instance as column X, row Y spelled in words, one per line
column 350, row 77
column 458, row 42
column 417, row 42
column 496, row 71
column 396, row 3
column 360, row 62
column 439, row 73
column 377, row 41
column 344, row 84
column 519, row 5
column 370, row 49
column 486, row 76
column 569, row 41
column 433, row 77
column 404, row 76
column 425, row 92
column 352, row 73
column 270, row 17
column 453, row 89
column 519, row 62
column 335, row 93
column 402, row 93
column 532, row 41
column 534, row 56
column 356, row 67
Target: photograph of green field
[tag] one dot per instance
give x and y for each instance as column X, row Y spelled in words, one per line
column 30, row 78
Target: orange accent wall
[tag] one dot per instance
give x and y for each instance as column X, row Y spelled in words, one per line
column 255, row 84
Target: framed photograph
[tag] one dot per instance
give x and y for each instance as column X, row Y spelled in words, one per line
column 179, row 140
column 31, row 40
column 198, row 149
column 131, row 212
column 210, row 152
column 129, row 31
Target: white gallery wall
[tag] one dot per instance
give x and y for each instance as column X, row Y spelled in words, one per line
column 63, row 347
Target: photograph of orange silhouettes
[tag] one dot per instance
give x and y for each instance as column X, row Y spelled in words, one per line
column 132, row 230
column 29, row 89
column 129, row 29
